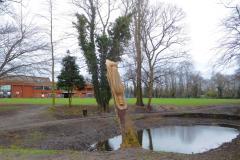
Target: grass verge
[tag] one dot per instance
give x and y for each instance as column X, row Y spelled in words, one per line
column 9, row 108
column 22, row 151
column 155, row 101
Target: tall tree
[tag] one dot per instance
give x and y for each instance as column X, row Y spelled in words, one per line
column 5, row 6
column 229, row 43
column 139, row 7
column 20, row 45
column 50, row 20
column 162, row 32
column 99, row 46
column 69, row 78
column 220, row 82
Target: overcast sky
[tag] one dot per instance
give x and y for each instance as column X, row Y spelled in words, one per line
column 203, row 18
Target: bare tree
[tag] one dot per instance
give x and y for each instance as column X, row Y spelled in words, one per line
column 229, row 44
column 138, row 10
column 52, row 50
column 196, row 85
column 48, row 16
column 186, row 70
column 104, row 10
column 20, row 46
column 5, row 6
column 129, row 77
column 127, row 6
column 134, row 50
column 162, row 34
column 19, row 49
column 129, row 64
column 220, row 82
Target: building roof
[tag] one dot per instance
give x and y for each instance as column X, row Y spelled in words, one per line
column 26, row 79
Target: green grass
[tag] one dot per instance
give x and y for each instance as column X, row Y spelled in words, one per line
column 8, row 108
column 76, row 101
column 156, row 101
column 21, row 151
column 190, row 101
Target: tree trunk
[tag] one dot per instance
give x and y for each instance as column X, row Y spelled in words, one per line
column 96, row 88
column 69, row 98
column 137, row 38
column 129, row 134
column 220, row 92
column 105, row 106
column 238, row 92
column 134, row 88
column 52, row 53
column 140, row 136
column 150, row 139
column 150, row 90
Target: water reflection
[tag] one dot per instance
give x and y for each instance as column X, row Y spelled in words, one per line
column 179, row 139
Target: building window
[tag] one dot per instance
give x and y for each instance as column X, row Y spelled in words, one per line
column 47, row 88
column 5, row 91
column 38, row 87
column 6, row 88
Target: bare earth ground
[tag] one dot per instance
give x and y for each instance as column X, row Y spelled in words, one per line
column 37, row 127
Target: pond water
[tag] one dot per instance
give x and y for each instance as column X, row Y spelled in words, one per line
column 178, row 139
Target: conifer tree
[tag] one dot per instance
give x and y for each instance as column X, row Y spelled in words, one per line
column 69, row 78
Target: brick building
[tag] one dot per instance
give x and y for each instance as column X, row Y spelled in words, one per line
column 87, row 91
column 35, row 87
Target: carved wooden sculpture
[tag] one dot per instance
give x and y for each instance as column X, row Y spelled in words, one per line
column 129, row 136
column 116, row 85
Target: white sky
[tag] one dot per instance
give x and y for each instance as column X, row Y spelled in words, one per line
column 203, row 18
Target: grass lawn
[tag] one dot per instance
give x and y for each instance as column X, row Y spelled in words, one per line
column 156, row 101
column 8, row 108
column 21, row 151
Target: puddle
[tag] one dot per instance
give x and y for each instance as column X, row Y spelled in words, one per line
column 178, row 139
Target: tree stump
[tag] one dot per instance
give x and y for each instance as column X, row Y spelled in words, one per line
column 129, row 134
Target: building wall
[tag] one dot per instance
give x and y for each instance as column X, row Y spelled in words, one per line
column 25, row 91
column 17, row 91
column 22, row 91
column 28, row 90
column 46, row 93
column 87, row 91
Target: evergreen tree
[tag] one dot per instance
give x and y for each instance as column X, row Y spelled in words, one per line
column 99, row 47
column 69, row 78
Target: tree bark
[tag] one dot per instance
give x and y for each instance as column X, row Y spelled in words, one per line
column 150, row 90
column 69, row 98
column 137, row 37
column 52, row 54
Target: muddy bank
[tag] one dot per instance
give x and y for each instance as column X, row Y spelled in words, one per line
column 80, row 133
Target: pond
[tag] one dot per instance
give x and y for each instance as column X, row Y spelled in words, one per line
column 178, row 139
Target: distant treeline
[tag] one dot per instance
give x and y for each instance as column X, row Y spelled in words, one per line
column 182, row 81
